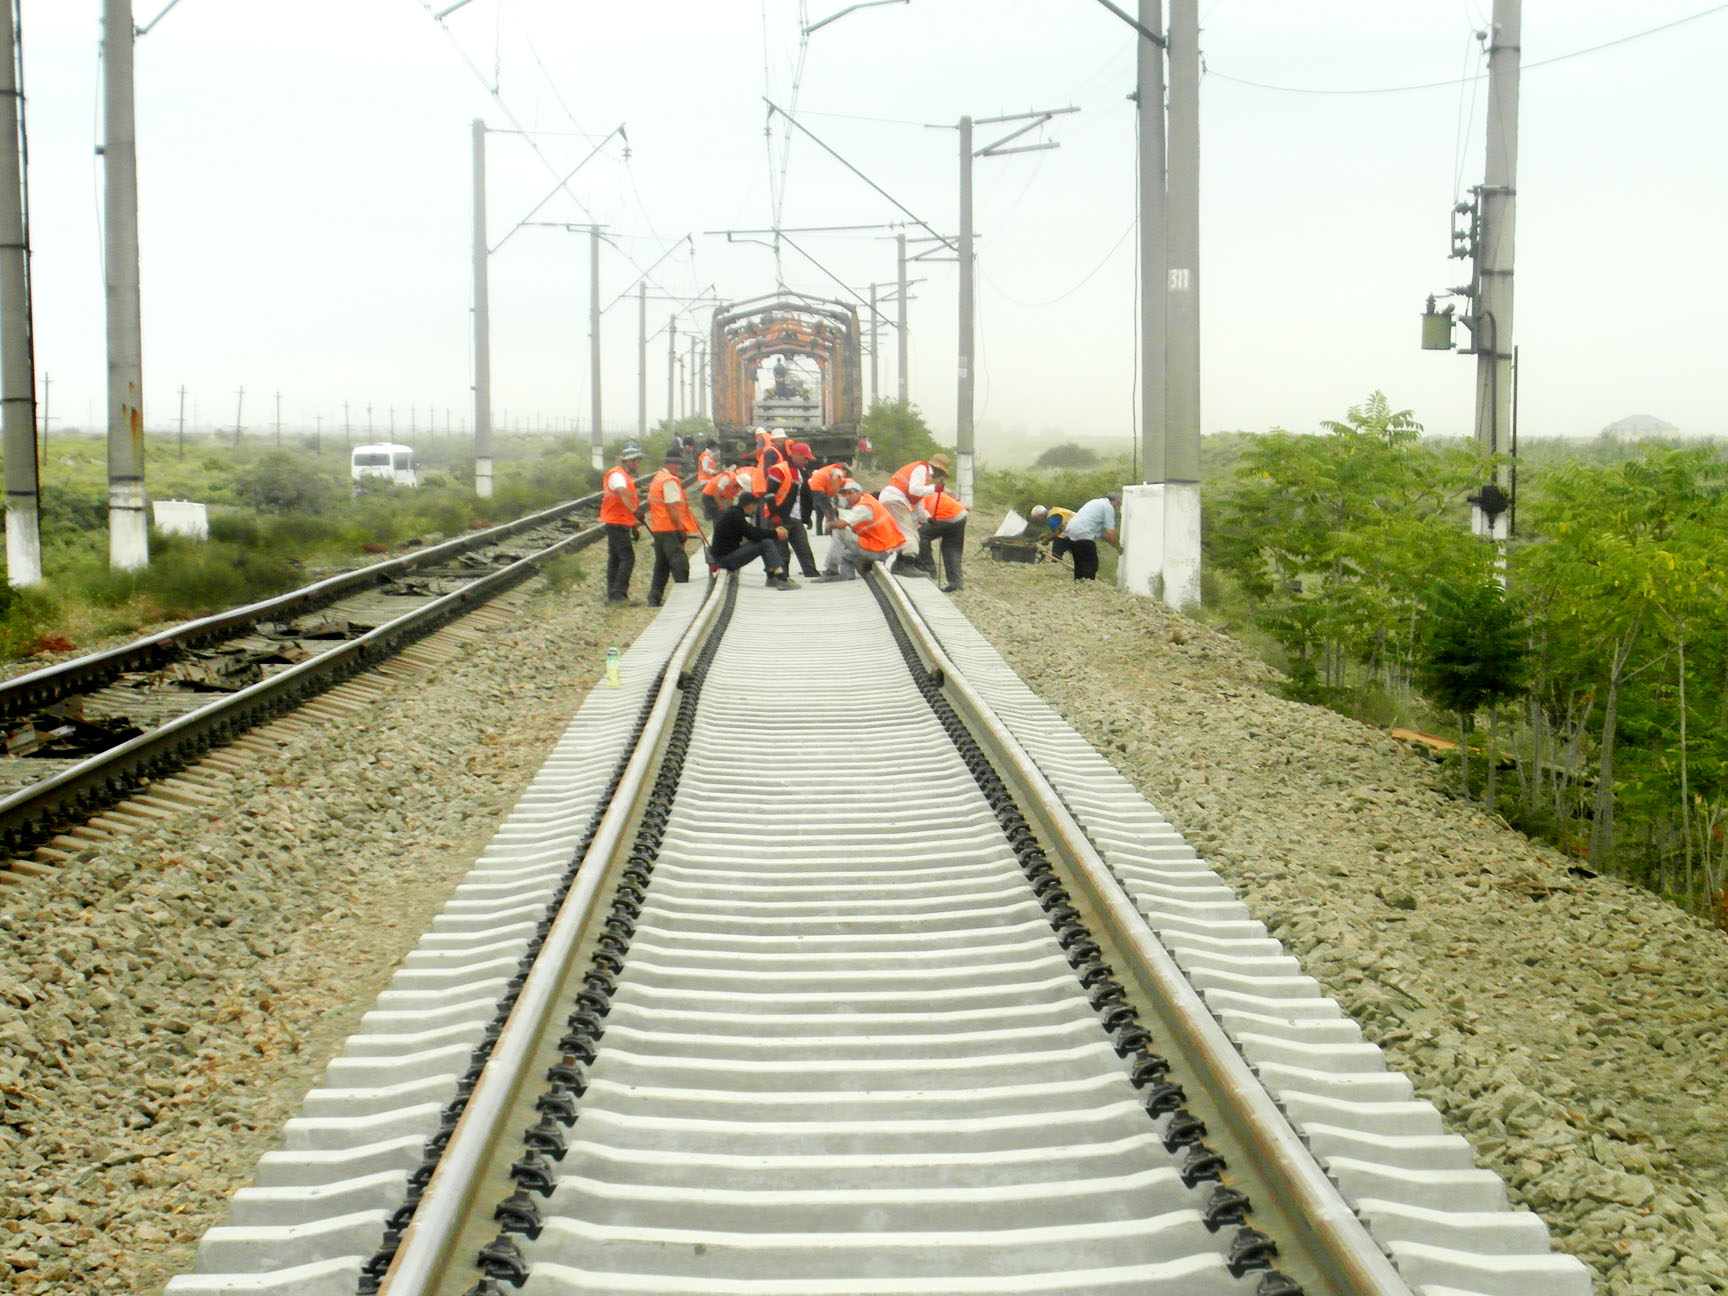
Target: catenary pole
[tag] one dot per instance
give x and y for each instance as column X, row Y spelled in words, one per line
column 1497, row 208
column 1153, row 306
column 873, row 343
column 901, row 358
column 1182, row 312
column 17, row 361
column 128, row 527
column 482, row 327
column 596, row 440
column 641, row 361
column 963, row 414
column 672, row 368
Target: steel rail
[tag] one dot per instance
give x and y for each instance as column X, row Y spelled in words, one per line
column 426, row 1244
column 105, row 776
column 23, row 693
column 1337, row 1239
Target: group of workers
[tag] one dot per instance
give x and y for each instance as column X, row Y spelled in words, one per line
column 1076, row 532
column 764, row 505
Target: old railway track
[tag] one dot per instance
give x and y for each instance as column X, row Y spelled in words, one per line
column 85, row 733
column 847, row 993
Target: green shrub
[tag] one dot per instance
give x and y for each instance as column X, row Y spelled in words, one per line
column 563, row 573
column 285, row 482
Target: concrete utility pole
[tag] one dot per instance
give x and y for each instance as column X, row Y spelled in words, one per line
column 239, row 409
column 596, row 439
column 641, row 362
column 1182, row 314
column 17, row 359
column 181, row 438
column 482, row 327
column 963, row 431
column 873, row 336
column 671, row 367
column 278, row 406
column 1146, row 508
column 128, row 526
column 1496, row 207
column 901, row 371
column 963, row 475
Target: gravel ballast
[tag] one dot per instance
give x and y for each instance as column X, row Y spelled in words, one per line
column 166, row 999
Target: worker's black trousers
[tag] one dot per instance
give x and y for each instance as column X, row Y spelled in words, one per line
column 799, row 542
column 1085, row 559
column 669, row 560
column 952, row 535
column 620, row 559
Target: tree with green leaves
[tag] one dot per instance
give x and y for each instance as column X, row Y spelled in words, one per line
column 898, row 432
column 1475, row 653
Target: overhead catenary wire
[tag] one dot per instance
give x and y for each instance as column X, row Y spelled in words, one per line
column 1447, row 84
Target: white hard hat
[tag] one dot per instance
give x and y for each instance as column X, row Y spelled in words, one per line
column 1039, row 512
column 850, row 485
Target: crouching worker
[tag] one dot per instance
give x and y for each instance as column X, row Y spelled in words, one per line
column 861, row 531
column 738, row 542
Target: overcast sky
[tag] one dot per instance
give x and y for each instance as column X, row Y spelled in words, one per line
column 304, row 176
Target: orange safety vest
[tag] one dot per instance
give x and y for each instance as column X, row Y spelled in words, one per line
column 826, row 481
column 722, row 486
column 941, row 506
column 879, row 534
column 784, row 484
column 751, row 479
column 668, row 518
column 707, row 465
column 619, row 507
column 902, row 480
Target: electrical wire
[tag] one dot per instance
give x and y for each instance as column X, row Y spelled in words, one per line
column 1089, row 277
column 1438, row 85
column 1466, row 120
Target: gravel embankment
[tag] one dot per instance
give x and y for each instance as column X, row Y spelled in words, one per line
column 1573, row 1028
column 167, row 999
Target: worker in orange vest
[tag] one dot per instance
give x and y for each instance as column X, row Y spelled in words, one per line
column 619, row 511
column 707, row 469
column 670, row 524
column 824, row 484
column 943, row 519
column 905, row 490
column 719, row 492
column 863, row 531
column 780, row 507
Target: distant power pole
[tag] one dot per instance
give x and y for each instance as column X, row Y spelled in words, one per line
column 968, row 269
column 901, row 240
column 181, row 438
column 482, row 326
column 17, row 361
column 369, row 433
column 318, row 434
column 128, row 527
column 239, row 409
column 873, row 337
column 278, row 418
column 671, row 368
column 347, row 427
column 641, row 361
column 596, row 439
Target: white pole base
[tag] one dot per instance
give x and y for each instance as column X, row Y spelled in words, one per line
column 23, row 542
column 964, row 477
column 128, row 527
column 483, row 478
column 1160, row 533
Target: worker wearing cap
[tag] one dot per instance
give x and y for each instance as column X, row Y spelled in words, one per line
column 863, row 531
column 1048, row 526
column 670, row 524
column 905, row 490
column 619, row 511
column 943, row 519
column 1093, row 521
column 718, row 492
column 780, row 507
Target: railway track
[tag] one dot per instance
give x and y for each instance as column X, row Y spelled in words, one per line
column 835, row 989
column 84, row 733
